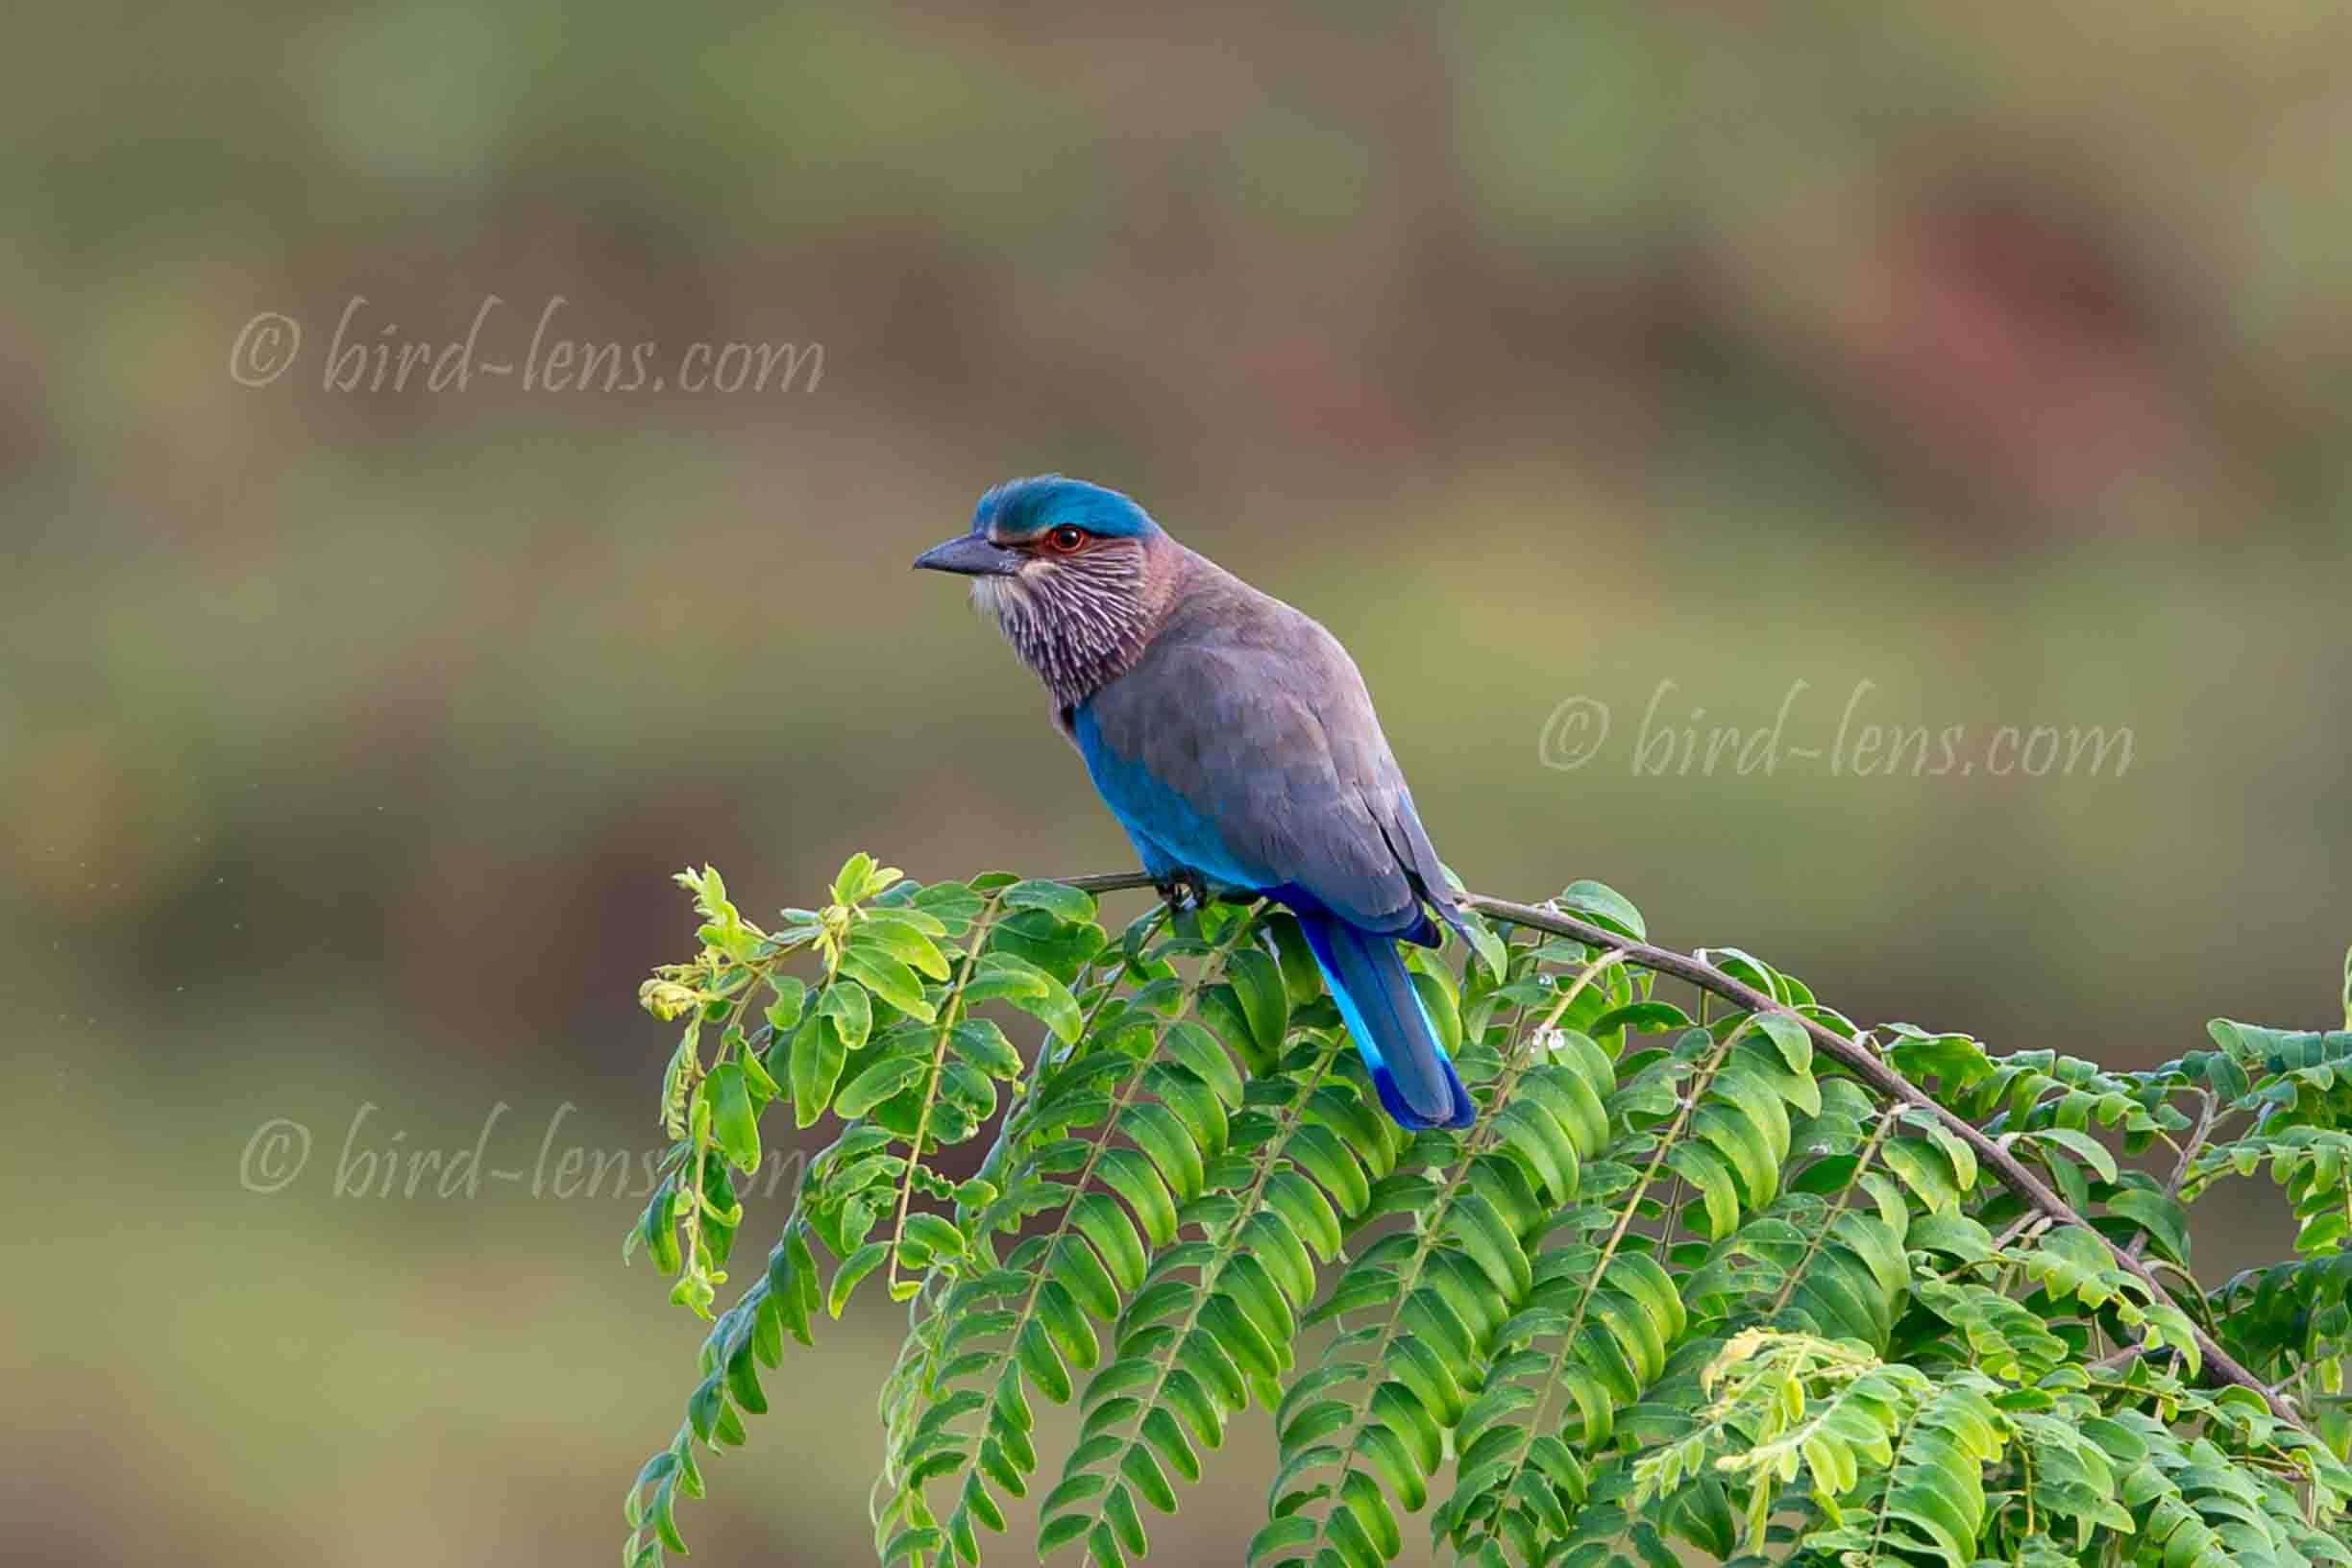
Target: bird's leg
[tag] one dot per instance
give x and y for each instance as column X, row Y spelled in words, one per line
column 1172, row 888
column 1185, row 889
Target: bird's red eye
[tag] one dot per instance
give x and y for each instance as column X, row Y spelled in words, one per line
column 1066, row 539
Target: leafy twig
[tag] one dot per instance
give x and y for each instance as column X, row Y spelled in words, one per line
column 2217, row 1364
column 947, row 1019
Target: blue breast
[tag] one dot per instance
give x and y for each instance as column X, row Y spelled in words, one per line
column 1158, row 818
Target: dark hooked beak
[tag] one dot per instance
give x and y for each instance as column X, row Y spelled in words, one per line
column 969, row 556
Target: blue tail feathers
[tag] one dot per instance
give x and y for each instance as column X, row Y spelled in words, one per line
column 1367, row 976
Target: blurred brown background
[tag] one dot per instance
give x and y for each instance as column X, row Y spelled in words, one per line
column 1992, row 356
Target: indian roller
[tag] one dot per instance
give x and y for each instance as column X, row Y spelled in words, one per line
column 1232, row 738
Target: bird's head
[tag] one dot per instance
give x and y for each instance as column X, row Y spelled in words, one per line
column 1070, row 570
column 1031, row 529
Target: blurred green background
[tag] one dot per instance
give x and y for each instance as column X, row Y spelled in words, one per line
column 1994, row 356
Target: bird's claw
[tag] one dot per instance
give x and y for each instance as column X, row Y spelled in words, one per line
column 1183, row 891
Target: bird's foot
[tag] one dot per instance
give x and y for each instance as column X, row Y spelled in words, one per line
column 1183, row 891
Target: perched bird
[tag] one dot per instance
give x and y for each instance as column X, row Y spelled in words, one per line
column 1234, row 740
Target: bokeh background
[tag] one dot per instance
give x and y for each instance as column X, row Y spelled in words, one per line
column 1992, row 356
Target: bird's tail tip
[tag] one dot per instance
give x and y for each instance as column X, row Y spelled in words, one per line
column 1463, row 1113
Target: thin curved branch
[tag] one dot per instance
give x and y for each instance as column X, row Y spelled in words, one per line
column 2218, row 1365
